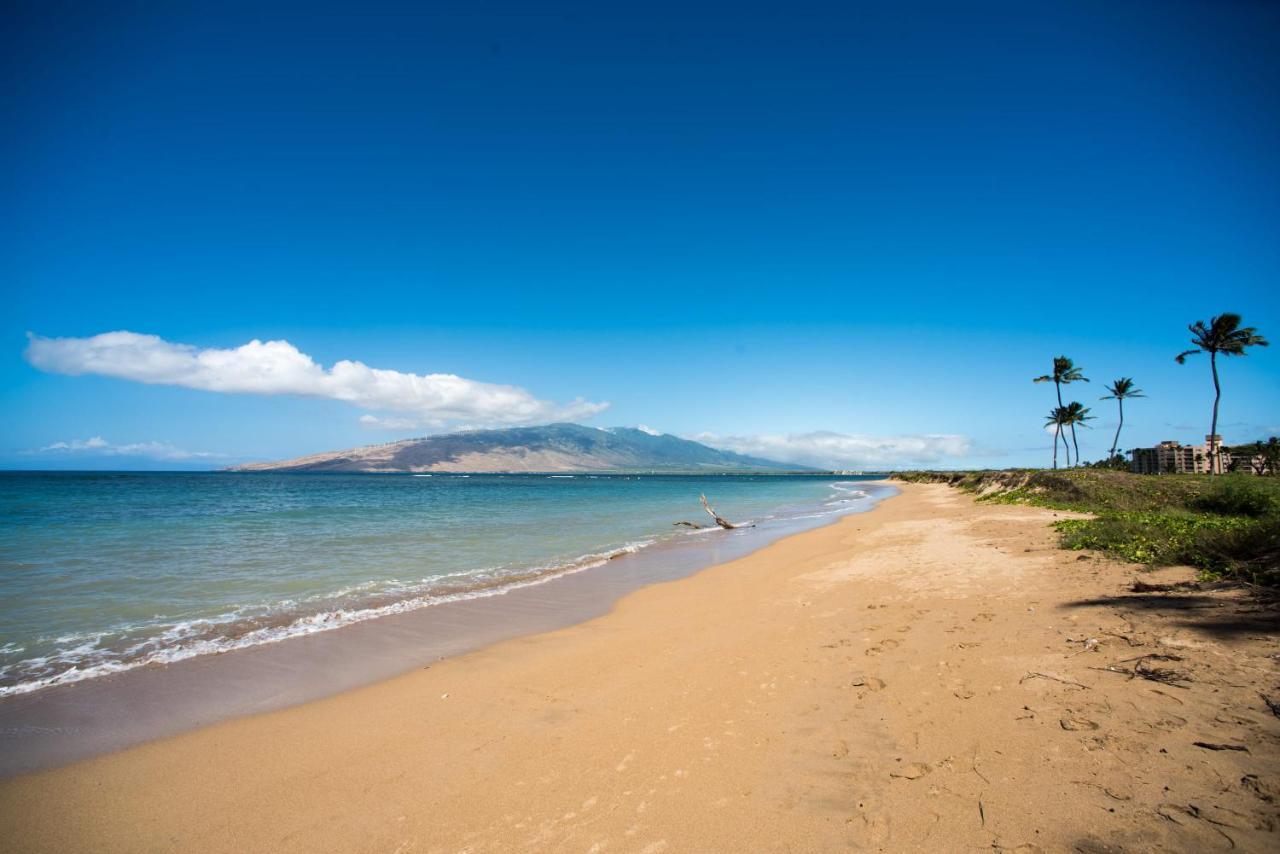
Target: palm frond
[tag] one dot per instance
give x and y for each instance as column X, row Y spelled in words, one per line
column 1122, row 389
column 1222, row 334
column 1240, row 339
column 1077, row 413
column 1058, row 415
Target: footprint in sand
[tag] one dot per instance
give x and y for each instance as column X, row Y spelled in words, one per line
column 914, row 771
column 868, row 683
column 984, row 617
column 1076, row 724
column 869, row 829
column 1259, row 788
column 1168, row 723
column 883, row 646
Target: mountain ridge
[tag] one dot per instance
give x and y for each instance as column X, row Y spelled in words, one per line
column 561, row 447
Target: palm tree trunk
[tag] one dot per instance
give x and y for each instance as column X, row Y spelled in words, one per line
column 1213, row 430
column 1058, row 429
column 1074, row 443
column 1115, row 443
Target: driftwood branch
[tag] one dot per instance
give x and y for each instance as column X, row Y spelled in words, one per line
column 1053, row 678
column 723, row 523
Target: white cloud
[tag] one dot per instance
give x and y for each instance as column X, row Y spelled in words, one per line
column 277, row 367
column 373, row 422
column 646, row 429
column 96, row 443
column 840, row 450
column 99, row 445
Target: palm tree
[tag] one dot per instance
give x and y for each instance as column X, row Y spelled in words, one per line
column 1121, row 390
column 1222, row 334
column 1058, row 418
column 1076, row 413
column 1064, row 372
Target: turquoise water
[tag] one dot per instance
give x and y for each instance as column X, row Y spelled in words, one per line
column 102, row 572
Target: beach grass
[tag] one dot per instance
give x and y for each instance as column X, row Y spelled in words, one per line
column 1226, row 526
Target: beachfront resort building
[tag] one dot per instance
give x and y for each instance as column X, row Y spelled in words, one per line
column 1171, row 457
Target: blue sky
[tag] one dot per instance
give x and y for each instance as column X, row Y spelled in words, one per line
column 752, row 222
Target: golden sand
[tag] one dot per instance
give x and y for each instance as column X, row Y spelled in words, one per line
column 933, row 675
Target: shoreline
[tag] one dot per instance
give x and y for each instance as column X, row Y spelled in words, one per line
column 76, row 720
column 936, row 673
column 81, row 653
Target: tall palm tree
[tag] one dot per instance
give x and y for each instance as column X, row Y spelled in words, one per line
column 1058, row 418
column 1222, row 334
column 1064, row 373
column 1121, row 390
column 1076, row 413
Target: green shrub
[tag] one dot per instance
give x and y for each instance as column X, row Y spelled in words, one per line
column 1219, row 545
column 1250, row 551
column 1222, row 525
column 1240, row 495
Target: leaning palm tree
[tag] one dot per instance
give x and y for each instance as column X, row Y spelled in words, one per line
column 1059, row 418
column 1222, row 334
column 1121, row 390
column 1076, row 413
column 1064, row 372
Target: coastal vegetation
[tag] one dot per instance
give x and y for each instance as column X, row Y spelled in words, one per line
column 1064, row 373
column 1226, row 527
column 1256, row 457
column 1057, row 420
column 1077, row 414
column 1121, row 390
column 1223, row 335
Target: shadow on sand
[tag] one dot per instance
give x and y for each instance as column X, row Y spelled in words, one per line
column 1211, row 612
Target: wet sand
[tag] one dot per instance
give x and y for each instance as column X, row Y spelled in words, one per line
column 934, row 674
column 66, row 723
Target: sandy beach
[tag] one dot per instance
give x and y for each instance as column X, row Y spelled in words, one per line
column 935, row 674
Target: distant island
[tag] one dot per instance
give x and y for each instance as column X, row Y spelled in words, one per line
column 549, row 448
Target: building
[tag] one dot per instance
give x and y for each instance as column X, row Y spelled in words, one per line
column 1250, row 463
column 1171, row 457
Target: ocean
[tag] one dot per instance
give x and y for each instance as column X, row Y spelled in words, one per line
column 103, row 572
